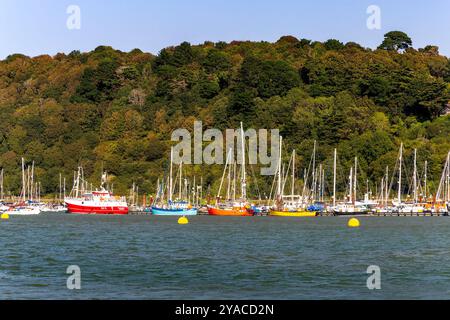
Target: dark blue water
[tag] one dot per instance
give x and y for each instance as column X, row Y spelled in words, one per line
column 145, row 257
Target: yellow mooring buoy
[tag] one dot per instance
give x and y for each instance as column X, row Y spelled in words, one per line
column 183, row 220
column 4, row 216
column 353, row 223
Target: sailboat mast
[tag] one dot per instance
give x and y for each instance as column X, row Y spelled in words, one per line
column 426, row 180
column 229, row 183
column 334, row 178
column 234, row 180
column 415, row 176
column 293, row 173
column 159, row 191
column 32, row 179
column 400, row 175
column 201, row 188
column 244, row 178
column 23, row 181
column 136, row 196
column 323, row 185
column 1, row 186
column 319, row 179
column 29, row 185
column 170, row 175
column 448, row 178
column 223, row 175
column 355, row 180
column 79, row 176
column 279, row 170
column 60, row 187
column 181, row 179
column 351, row 184
column 387, row 186
column 320, row 183
column 314, row 171
column 194, row 194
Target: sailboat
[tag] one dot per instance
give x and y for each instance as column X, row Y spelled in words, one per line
column 233, row 206
column 58, row 206
column 179, row 207
column 27, row 205
column 409, row 206
column 351, row 205
column 289, row 205
column 382, row 206
column 3, row 206
column 441, row 203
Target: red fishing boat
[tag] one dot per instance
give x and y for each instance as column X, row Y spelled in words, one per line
column 94, row 202
column 97, row 202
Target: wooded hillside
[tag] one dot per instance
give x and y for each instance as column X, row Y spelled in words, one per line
column 116, row 110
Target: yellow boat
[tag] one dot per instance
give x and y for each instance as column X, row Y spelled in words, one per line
column 292, row 213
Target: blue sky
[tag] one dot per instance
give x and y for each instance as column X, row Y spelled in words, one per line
column 35, row 27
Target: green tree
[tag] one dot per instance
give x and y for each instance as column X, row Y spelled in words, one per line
column 395, row 41
column 333, row 44
column 269, row 78
column 216, row 61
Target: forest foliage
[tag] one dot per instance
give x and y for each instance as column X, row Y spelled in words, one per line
column 114, row 110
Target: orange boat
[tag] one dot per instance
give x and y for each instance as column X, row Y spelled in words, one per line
column 232, row 206
column 237, row 211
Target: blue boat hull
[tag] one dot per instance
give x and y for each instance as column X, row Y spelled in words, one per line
column 174, row 212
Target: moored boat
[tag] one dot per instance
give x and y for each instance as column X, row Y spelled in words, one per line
column 175, row 209
column 26, row 206
column 54, row 209
column 173, row 212
column 233, row 206
column 58, row 205
column 297, row 213
column 170, row 207
column 236, row 210
column 348, row 209
column 23, row 210
column 441, row 202
column 290, row 205
column 96, row 202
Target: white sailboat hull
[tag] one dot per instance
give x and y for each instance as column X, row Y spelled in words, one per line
column 24, row 211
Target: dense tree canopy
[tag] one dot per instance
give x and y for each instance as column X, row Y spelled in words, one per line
column 115, row 110
column 396, row 40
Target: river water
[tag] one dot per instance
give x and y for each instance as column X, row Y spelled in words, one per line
column 149, row 257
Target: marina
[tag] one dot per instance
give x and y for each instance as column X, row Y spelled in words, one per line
column 310, row 202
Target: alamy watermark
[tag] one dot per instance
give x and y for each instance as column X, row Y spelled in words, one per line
column 218, row 149
column 374, row 280
column 374, row 20
column 74, row 280
column 74, row 20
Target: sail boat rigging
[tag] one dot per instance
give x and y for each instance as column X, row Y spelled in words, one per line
column 290, row 205
column 180, row 207
column 233, row 207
